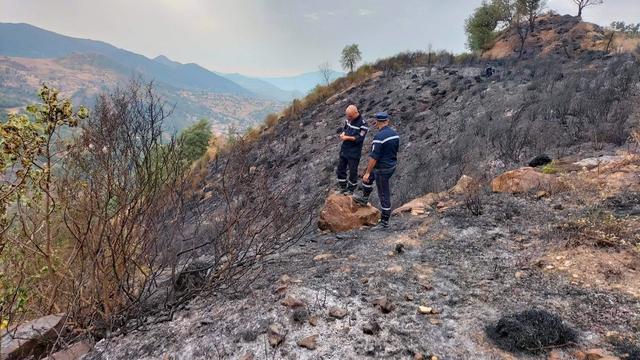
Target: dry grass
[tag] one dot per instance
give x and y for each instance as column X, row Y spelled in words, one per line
column 600, row 229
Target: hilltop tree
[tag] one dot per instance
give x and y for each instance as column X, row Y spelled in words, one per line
column 351, row 55
column 480, row 27
column 529, row 10
column 585, row 3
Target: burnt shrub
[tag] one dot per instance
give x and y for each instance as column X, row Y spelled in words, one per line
column 530, row 331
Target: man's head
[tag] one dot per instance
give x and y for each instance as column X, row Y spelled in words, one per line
column 382, row 119
column 352, row 112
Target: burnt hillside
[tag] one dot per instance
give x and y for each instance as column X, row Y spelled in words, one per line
column 454, row 120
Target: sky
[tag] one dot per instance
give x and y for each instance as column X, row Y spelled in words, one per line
column 272, row 37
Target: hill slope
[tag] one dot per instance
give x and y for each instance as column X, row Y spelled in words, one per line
column 523, row 251
column 84, row 68
column 23, row 40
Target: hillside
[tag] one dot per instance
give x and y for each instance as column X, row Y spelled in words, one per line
column 486, row 257
column 84, row 76
column 85, row 68
column 23, row 40
column 565, row 36
column 263, row 88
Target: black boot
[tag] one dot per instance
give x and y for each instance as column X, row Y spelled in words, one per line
column 383, row 224
column 361, row 200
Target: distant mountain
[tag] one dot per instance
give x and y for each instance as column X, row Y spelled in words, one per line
column 84, row 68
column 263, row 88
column 24, row 40
column 302, row 83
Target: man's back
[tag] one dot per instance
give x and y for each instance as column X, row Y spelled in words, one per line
column 385, row 147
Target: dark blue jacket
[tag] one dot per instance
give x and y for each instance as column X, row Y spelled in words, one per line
column 385, row 148
column 358, row 129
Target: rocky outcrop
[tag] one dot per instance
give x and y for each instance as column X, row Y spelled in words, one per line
column 340, row 213
column 31, row 338
column 524, row 180
column 444, row 199
column 73, row 352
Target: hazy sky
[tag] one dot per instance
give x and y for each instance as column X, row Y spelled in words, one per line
column 271, row 37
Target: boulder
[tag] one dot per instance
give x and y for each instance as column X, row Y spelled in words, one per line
column 524, row 180
column 594, row 162
column 418, row 205
column 31, row 338
column 463, row 186
column 73, row 352
column 340, row 213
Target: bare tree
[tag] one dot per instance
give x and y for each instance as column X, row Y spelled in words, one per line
column 582, row 4
column 326, row 72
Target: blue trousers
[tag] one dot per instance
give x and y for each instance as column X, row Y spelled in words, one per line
column 381, row 177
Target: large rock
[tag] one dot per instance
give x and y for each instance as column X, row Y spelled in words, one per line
column 417, row 206
column 524, row 180
column 341, row 213
column 31, row 338
column 73, row 352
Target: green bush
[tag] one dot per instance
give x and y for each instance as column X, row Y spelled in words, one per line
column 195, row 140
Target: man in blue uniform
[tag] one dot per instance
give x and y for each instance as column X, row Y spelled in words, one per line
column 352, row 135
column 383, row 159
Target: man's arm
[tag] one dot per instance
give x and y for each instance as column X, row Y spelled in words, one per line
column 372, row 164
column 344, row 137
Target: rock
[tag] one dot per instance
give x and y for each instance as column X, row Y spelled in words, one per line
column 300, row 314
column 309, row 342
column 554, row 355
column 31, row 338
column 384, row 305
column 340, row 213
column 399, row 248
column 323, row 257
column 394, row 269
column 313, row 320
column 337, row 312
column 247, row 356
column 524, row 180
column 73, row 352
column 276, row 334
column 597, row 354
column 425, row 310
column 594, row 162
column 540, row 160
column 418, row 356
column 193, row 276
column 419, row 204
column 371, row 328
column 463, row 186
column 541, row 194
column 291, row 302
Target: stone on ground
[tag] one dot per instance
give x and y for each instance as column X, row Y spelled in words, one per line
column 309, row 342
column 31, row 338
column 524, row 180
column 73, row 352
column 337, row 312
column 276, row 334
column 340, row 213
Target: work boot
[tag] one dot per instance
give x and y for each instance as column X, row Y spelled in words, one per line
column 383, row 224
column 361, row 200
column 346, row 191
